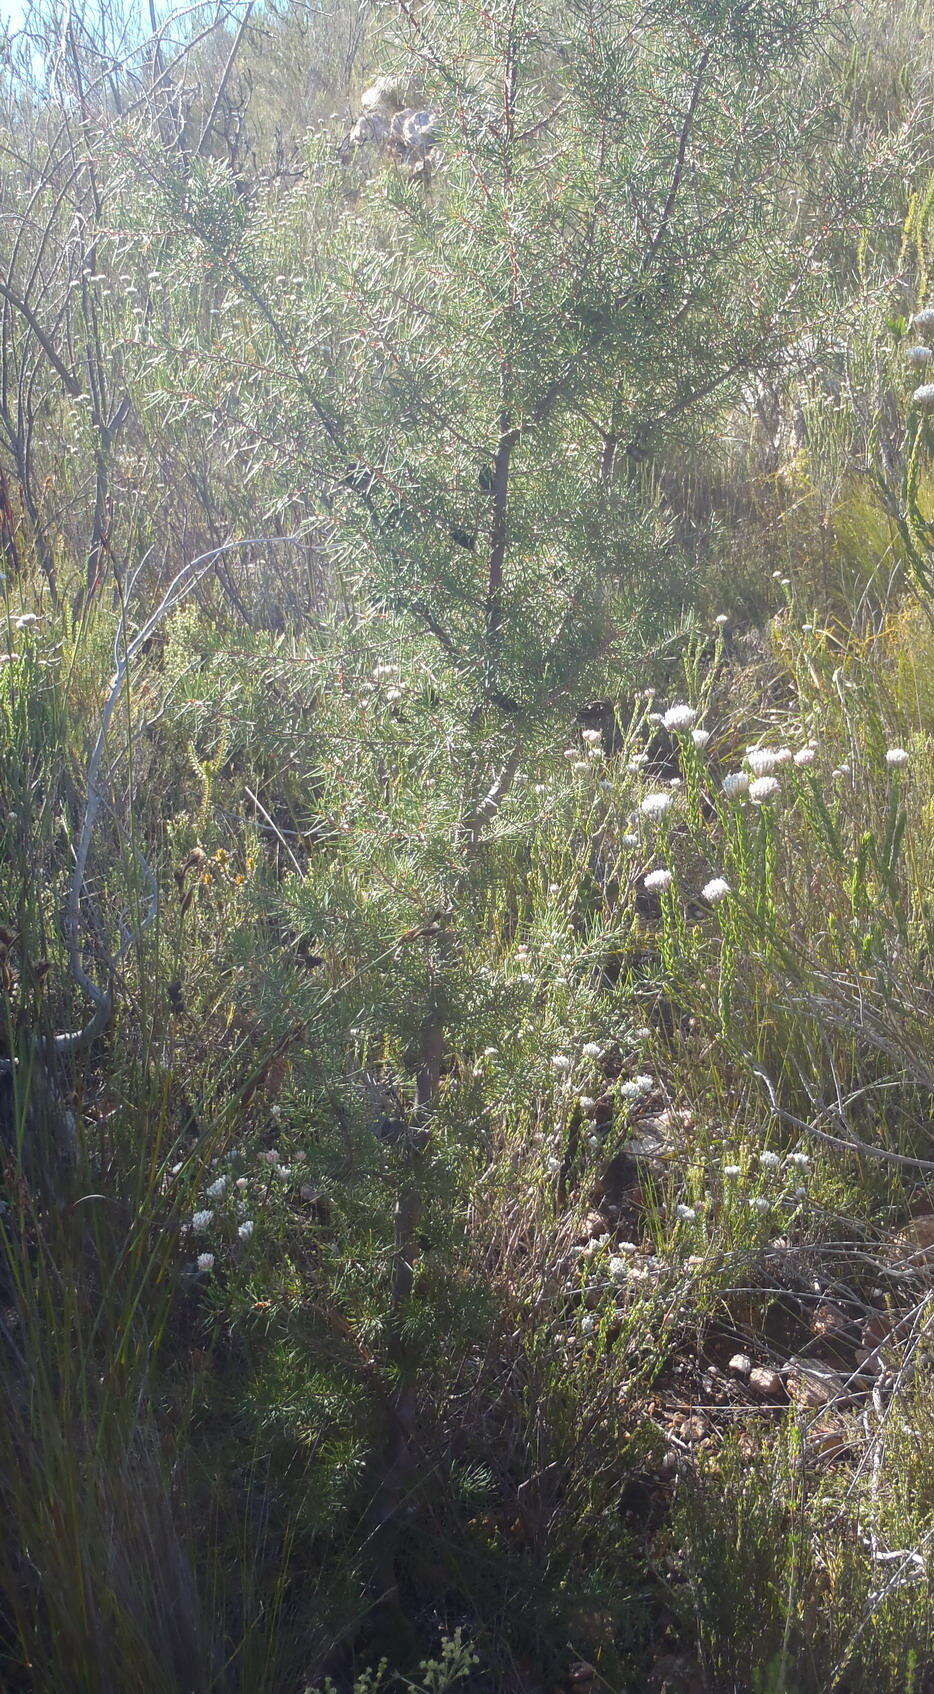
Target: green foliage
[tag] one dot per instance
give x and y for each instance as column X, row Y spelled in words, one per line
column 386, row 1156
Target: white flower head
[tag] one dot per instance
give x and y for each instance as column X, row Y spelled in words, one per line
column 629, row 840
column 762, row 759
column 716, row 889
column 770, row 1160
column 802, row 1160
column 700, row 737
column 686, row 1213
column 593, row 737
column 655, row 805
column 591, row 1050
column 805, row 756
column 242, row 1182
column 657, row 879
column 561, row 1062
column 896, row 756
column 923, row 397
column 923, row 320
column 763, row 788
column 245, row 1229
column 636, row 1087
column 735, row 785
column 732, row 1171
column 205, row 1261
column 200, row 1221
column 587, row 1324
column 917, row 357
column 679, row 717
column 757, row 1203
column 721, row 619
column 216, row 1188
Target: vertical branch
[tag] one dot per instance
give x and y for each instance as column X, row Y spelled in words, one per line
column 225, row 79
column 499, row 528
column 508, row 433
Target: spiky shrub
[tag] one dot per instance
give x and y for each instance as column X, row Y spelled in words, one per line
column 477, row 366
column 602, row 257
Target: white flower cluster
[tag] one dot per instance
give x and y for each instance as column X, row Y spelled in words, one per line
column 761, row 760
column 679, row 717
column 716, row 889
column 636, row 1087
column 655, row 805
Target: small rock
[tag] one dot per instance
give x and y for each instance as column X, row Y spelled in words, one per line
column 827, row 1442
column 915, row 1243
column 812, row 1384
column 767, row 1383
column 581, row 1674
column 740, row 1365
column 694, row 1429
column 869, row 1361
column 593, row 1226
column 830, row 1321
column 877, row 1330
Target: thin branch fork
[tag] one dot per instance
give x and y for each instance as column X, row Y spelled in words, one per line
column 848, row 1144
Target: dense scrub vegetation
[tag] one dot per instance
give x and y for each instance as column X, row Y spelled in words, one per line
column 467, row 848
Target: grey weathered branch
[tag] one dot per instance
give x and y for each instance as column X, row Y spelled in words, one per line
column 849, row 1144
column 486, row 809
